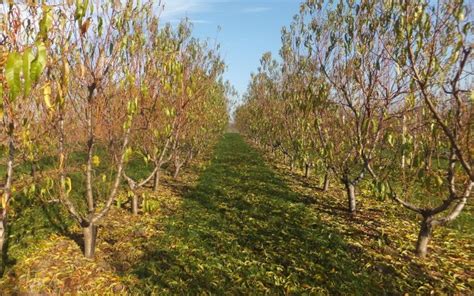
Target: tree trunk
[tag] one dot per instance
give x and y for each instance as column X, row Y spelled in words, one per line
column 135, row 204
column 33, row 170
column 5, row 199
column 429, row 160
column 176, row 170
column 326, row 182
column 306, row 170
column 90, row 235
column 351, row 198
column 424, row 237
column 189, row 158
column 156, row 181
column 3, row 234
column 404, row 131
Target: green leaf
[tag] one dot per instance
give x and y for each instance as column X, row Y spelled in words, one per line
column 27, row 59
column 81, row 9
column 439, row 180
column 100, row 26
column 39, row 63
column 12, row 74
column 45, row 23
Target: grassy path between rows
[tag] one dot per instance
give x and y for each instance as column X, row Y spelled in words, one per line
column 241, row 230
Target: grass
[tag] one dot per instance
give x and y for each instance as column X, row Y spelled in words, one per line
column 385, row 233
column 237, row 223
column 241, row 230
column 44, row 252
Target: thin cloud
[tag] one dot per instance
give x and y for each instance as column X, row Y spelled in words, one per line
column 180, row 8
column 256, row 9
column 193, row 21
column 200, row 21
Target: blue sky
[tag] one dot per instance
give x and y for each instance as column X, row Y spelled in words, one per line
column 248, row 29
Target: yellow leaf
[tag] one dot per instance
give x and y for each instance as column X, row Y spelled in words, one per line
column 83, row 70
column 47, row 95
column 68, row 185
column 96, row 160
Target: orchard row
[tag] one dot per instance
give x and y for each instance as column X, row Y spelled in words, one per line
column 374, row 92
column 104, row 78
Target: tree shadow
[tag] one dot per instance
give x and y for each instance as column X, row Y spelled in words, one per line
column 5, row 260
column 34, row 220
column 242, row 230
column 61, row 225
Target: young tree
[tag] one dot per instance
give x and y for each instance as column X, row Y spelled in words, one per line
column 145, row 56
column 174, row 110
column 352, row 60
column 434, row 49
column 99, row 36
column 23, row 57
column 202, row 68
column 263, row 109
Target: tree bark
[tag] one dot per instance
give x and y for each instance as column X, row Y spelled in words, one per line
column 404, row 131
column 326, row 182
column 33, row 170
column 306, row 170
column 156, row 181
column 429, row 161
column 424, row 237
column 3, row 234
column 7, row 193
column 351, row 197
column 135, row 204
column 90, row 236
column 190, row 157
column 3, row 242
column 176, row 170
column 160, row 162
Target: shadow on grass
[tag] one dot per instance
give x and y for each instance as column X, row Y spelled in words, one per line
column 34, row 221
column 242, row 230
